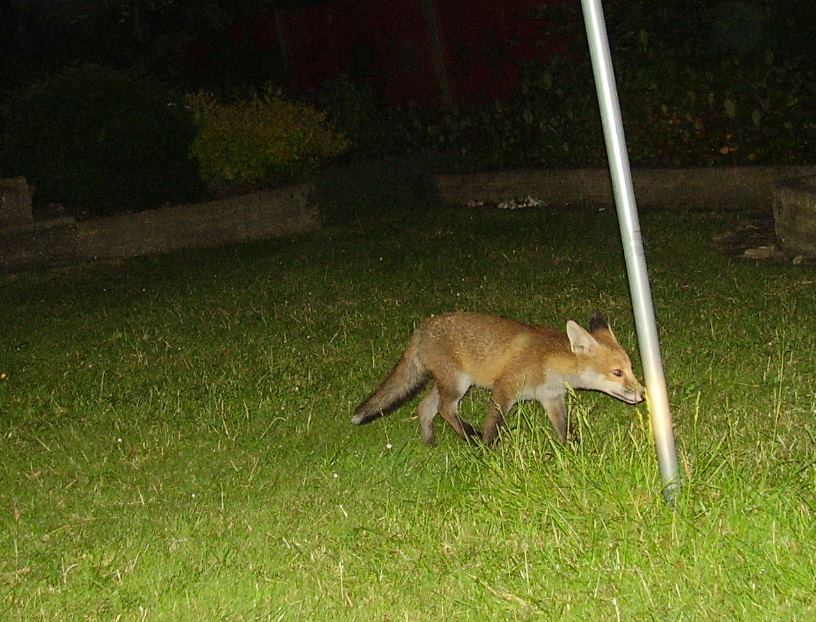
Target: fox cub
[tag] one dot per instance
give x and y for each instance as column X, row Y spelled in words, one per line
column 456, row 351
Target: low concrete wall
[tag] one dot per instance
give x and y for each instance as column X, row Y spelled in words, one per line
column 287, row 211
column 257, row 216
column 703, row 188
column 38, row 244
column 15, row 202
column 794, row 210
column 25, row 244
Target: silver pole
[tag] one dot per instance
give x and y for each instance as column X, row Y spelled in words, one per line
column 639, row 288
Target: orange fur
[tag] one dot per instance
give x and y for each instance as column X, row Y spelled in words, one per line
column 516, row 361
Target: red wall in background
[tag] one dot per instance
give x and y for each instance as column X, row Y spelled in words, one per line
column 383, row 42
column 388, row 44
column 488, row 41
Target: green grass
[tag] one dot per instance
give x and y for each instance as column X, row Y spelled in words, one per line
column 175, row 440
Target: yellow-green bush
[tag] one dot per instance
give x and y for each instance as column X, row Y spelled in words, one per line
column 261, row 140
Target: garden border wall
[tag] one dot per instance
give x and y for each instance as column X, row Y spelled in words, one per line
column 256, row 216
column 284, row 211
column 794, row 209
column 696, row 188
column 25, row 243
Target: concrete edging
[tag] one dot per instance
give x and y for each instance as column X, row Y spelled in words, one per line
column 285, row 211
column 699, row 188
column 794, row 210
column 257, row 216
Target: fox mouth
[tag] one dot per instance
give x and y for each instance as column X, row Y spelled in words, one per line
column 630, row 397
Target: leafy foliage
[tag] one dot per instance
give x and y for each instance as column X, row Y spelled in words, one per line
column 356, row 111
column 699, row 84
column 716, row 83
column 100, row 141
column 260, row 140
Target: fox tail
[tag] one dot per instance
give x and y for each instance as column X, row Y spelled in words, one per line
column 406, row 378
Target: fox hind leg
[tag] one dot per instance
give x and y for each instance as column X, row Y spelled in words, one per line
column 427, row 410
column 449, row 409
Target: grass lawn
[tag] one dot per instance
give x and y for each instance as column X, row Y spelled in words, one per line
column 175, row 440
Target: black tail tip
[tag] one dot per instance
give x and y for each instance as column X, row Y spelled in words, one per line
column 597, row 322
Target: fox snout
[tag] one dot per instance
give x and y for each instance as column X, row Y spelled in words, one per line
column 633, row 394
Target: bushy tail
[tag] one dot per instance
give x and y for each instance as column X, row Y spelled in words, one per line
column 407, row 377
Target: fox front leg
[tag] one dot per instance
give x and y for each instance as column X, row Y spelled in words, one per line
column 557, row 412
column 500, row 405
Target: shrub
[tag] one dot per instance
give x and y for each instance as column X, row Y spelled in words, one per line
column 260, row 141
column 716, row 83
column 700, row 83
column 101, row 141
column 356, row 111
column 552, row 121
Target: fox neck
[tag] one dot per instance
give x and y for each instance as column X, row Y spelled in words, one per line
column 578, row 375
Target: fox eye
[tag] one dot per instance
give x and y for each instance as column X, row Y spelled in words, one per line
column 617, row 372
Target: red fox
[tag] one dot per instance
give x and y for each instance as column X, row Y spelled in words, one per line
column 515, row 361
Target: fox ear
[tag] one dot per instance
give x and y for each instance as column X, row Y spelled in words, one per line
column 598, row 322
column 581, row 342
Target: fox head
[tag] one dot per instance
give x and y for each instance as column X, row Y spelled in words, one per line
column 602, row 364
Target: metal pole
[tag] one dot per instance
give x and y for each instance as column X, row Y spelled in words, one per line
column 639, row 288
